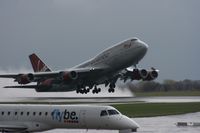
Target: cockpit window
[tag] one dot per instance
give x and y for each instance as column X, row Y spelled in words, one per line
column 103, row 113
column 134, row 39
column 112, row 112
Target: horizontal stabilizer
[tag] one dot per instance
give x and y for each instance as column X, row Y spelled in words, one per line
column 23, row 86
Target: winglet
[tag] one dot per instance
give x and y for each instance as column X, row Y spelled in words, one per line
column 37, row 64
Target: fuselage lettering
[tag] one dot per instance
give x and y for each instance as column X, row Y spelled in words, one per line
column 66, row 116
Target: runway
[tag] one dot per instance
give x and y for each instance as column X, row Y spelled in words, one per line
column 100, row 100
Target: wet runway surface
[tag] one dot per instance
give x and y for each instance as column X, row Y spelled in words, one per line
column 163, row 124
column 104, row 100
column 166, row 124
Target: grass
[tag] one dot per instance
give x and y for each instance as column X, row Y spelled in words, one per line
column 168, row 93
column 157, row 109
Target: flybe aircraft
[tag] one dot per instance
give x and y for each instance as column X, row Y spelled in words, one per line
column 34, row 118
column 105, row 68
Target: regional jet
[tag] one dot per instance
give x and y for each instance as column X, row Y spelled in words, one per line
column 105, row 68
column 34, row 118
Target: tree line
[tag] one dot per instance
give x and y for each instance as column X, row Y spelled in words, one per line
column 167, row 85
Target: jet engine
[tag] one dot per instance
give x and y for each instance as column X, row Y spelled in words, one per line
column 151, row 75
column 24, row 78
column 67, row 76
column 139, row 74
column 143, row 73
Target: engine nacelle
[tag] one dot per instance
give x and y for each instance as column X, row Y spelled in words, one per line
column 151, row 75
column 143, row 73
column 67, row 76
column 24, row 78
column 139, row 74
column 154, row 74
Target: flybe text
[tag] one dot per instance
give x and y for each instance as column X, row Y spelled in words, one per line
column 65, row 116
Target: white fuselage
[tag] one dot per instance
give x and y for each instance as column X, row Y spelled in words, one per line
column 119, row 56
column 45, row 117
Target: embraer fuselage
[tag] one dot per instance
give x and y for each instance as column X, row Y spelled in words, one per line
column 24, row 118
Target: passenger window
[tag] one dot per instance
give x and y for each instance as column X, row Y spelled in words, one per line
column 22, row 113
column 8, row 113
column 2, row 113
column 46, row 113
column 34, row 113
column 40, row 113
column 103, row 113
column 112, row 112
column 15, row 113
column 28, row 113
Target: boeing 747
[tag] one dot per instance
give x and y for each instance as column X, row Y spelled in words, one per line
column 105, row 68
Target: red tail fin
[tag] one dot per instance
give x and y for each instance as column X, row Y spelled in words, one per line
column 37, row 64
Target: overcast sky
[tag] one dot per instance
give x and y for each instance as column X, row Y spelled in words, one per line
column 65, row 33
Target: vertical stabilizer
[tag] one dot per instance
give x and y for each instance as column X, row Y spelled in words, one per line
column 37, row 64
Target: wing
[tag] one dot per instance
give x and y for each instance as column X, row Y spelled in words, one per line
column 23, row 86
column 9, row 76
column 12, row 128
column 63, row 75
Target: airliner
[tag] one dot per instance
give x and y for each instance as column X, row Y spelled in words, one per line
column 25, row 118
column 105, row 68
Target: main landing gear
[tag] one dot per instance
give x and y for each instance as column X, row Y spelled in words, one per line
column 111, row 88
column 95, row 90
column 83, row 91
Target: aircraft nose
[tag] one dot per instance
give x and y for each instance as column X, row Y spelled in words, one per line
column 144, row 46
column 134, row 124
column 131, row 124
